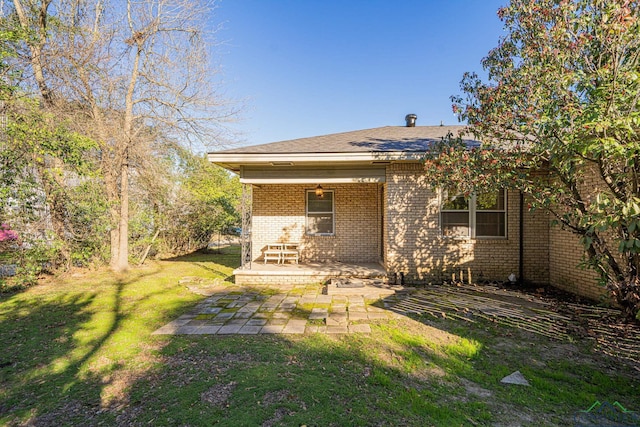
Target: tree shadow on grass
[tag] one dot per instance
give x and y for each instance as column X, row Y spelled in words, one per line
column 288, row 380
column 406, row 372
column 52, row 367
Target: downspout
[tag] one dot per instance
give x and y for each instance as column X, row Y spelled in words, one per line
column 521, row 241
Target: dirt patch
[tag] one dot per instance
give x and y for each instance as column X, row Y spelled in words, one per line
column 273, row 397
column 475, row 390
column 218, row 395
column 71, row 410
column 277, row 417
column 204, row 362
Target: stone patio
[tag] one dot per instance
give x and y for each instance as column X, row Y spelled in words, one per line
column 297, row 310
column 303, row 309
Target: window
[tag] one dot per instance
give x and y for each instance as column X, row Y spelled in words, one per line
column 479, row 215
column 454, row 214
column 320, row 213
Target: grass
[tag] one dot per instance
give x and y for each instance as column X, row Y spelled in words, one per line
column 77, row 350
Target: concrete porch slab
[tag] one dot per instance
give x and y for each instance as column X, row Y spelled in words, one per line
column 284, row 275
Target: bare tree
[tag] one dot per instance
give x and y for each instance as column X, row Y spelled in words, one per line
column 126, row 73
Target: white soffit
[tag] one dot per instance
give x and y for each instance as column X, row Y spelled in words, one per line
column 278, row 175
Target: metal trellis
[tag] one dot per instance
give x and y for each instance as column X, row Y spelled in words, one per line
column 245, row 235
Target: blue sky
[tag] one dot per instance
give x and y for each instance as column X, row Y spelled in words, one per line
column 314, row 67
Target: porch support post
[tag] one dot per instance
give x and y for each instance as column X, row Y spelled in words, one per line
column 245, row 236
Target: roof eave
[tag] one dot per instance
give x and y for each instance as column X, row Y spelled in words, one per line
column 233, row 161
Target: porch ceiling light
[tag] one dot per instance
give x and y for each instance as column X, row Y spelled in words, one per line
column 319, row 192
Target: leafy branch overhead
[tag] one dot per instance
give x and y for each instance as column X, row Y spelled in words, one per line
column 559, row 115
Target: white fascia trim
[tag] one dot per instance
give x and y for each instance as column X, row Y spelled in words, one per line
column 310, row 181
column 254, row 158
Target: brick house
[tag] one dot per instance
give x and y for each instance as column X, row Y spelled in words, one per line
column 359, row 203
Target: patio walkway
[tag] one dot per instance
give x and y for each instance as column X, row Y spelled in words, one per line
column 298, row 310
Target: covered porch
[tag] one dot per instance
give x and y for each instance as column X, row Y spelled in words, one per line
column 259, row 273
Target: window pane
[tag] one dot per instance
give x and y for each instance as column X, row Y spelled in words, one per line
column 455, row 223
column 490, row 224
column 454, row 202
column 320, row 224
column 490, row 201
column 316, row 204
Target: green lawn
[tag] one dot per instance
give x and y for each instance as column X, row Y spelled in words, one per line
column 77, row 350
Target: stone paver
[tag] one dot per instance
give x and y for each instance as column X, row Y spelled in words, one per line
column 229, row 329
column 249, row 330
column 324, row 299
column 335, row 319
column 210, row 329
column 187, row 330
column 358, row 315
column 318, row 313
column 272, row 329
column 251, row 313
column 224, row 316
column 295, row 326
column 280, row 315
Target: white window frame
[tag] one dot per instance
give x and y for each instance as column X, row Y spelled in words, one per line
column 333, row 213
column 472, row 211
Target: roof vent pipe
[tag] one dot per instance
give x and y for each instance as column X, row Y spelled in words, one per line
column 411, row 120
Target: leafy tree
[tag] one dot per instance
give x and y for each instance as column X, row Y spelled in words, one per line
column 559, row 113
column 202, row 201
column 44, row 166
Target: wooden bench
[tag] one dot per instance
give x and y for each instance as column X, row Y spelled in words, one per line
column 290, row 253
column 281, row 253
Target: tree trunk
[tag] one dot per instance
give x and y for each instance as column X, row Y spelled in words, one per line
column 122, row 263
column 627, row 295
column 114, row 215
column 36, row 47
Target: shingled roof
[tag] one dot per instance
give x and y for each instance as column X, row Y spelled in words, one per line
column 368, row 146
column 382, row 140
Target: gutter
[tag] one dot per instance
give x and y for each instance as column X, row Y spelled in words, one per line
column 521, row 241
